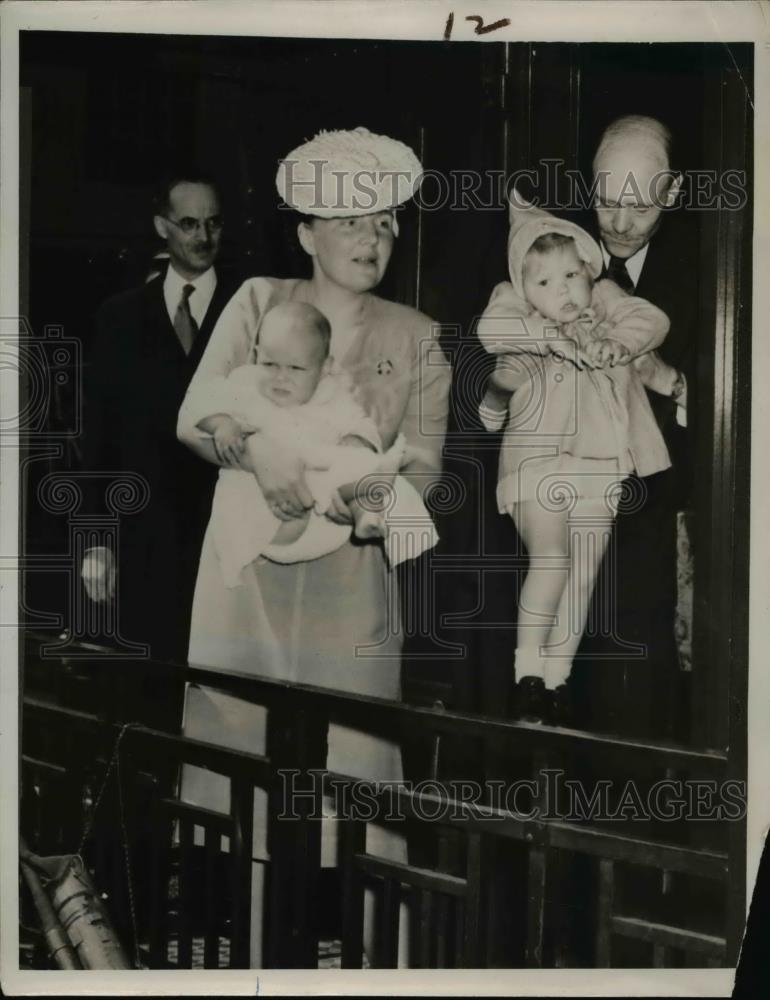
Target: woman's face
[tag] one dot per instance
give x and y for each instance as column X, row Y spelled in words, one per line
column 352, row 252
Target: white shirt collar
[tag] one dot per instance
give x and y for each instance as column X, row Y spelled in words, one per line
column 634, row 264
column 204, row 285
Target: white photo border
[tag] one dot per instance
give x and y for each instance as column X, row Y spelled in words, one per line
column 530, row 20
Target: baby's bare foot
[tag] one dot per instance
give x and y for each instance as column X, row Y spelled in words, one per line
column 367, row 523
column 370, row 525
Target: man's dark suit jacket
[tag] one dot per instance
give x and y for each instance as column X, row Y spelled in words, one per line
column 670, row 280
column 137, row 378
column 622, row 691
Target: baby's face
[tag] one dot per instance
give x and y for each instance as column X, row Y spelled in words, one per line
column 290, row 362
column 557, row 284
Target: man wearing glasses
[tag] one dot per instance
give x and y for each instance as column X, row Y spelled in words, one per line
column 147, row 345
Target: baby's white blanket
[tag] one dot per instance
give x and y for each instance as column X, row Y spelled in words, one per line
column 243, row 525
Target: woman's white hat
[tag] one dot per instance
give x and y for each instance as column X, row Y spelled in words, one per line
column 344, row 173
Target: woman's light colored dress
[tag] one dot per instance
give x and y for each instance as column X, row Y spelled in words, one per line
column 332, row 622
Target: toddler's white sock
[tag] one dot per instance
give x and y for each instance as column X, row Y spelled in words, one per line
column 528, row 663
column 556, row 670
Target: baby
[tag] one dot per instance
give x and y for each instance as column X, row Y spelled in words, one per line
column 293, row 396
column 579, row 423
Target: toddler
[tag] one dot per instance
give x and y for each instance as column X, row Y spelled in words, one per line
column 579, row 423
column 293, row 396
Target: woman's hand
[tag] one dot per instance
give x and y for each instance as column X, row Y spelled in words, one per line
column 281, row 477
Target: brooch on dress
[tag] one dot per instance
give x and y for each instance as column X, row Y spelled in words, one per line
column 384, row 367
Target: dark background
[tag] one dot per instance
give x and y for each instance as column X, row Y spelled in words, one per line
column 109, row 113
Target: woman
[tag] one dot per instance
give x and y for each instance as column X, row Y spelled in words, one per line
column 331, row 622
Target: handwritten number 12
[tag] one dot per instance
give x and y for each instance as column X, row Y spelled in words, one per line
column 480, row 29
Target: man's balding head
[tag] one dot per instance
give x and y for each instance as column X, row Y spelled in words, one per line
column 634, row 182
column 646, row 136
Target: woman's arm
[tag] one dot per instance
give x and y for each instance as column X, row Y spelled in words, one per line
column 280, row 473
column 227, row 348
column 427, row 411
column 204, row 448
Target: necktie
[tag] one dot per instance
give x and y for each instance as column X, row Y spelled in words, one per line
column 184, row 324
column 617, row 272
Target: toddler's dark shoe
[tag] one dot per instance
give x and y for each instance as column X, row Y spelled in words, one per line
column 531, row 701
column 562, row 707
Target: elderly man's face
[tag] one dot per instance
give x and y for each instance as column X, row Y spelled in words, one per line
column 634, row 186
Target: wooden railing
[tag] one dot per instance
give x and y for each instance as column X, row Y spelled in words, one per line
column 191, row 868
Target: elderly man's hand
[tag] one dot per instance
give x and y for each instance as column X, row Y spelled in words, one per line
column 98, row 573
column 655, row 373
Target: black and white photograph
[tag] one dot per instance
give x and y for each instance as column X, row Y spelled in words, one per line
column 475, row 684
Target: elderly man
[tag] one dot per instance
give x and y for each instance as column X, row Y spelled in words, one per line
column 635, row 185
column 147, row 345
column 625, row 676
column 649, row 251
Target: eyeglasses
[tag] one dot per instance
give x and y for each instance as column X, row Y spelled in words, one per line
column 188, row 225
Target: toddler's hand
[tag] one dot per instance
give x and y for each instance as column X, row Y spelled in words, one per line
column 592, row 353
column 610, row 352
column 509, row 372
column 228, row 441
